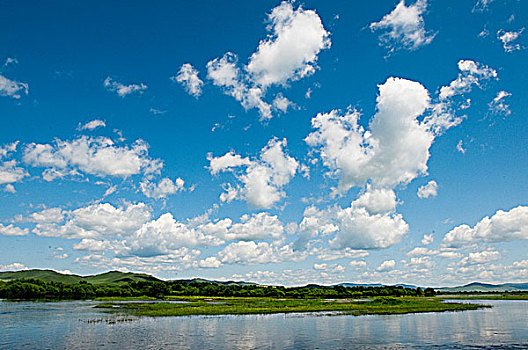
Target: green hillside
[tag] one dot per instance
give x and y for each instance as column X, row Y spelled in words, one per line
column 111, row 277
column 485, row 287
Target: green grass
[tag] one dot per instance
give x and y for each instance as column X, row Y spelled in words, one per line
column 111, row 277
column 245, row 306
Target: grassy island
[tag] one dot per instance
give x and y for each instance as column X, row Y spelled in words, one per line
column 245, row 306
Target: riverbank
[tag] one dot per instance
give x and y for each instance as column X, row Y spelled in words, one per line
column 246, row 306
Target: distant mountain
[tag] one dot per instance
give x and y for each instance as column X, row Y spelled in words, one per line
column 486, row 287
column 53, row 276
column 377, row 285
column 225, row 283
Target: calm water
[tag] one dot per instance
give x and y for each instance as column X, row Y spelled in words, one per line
column 76, row 325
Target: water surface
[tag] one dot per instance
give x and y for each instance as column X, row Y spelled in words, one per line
column 77, row 325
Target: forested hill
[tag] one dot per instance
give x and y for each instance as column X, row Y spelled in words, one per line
column 111, row 277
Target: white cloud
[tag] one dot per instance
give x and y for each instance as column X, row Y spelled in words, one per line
column 92, row 125
column 404, row 27
column 121, row 89
column 360, row 230
column 508, row 38
column 161, row 189
column 394, row 151
column 93, row 221
column 227, row 161
column 13, row 267
column 376, row 201
column 188, row 78
column 92, row 245
column 460, row 147
column 443, row 115
column 282, row 103
column 257, row 253
column 503, row 226
column 482, row 5
column 427, row 239
column 255, row 227
column 9, row 188
column 498, row 106
column 8, row 148
column 11, row 230
column 471, row 73
column 10, row 173
column 12, row 88
column 428, row 190
column 289, row 53
column 483, row 257
column 353, row 228
column 210, row 263
column 165, row 235
column 418, row 251
column 225, row 73
column 356, row 263
column 263, row 178
column 291, row 50
column 97, row 156
column 387, row 265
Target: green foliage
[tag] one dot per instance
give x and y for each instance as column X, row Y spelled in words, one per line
column 239, row 306
column 39, row 289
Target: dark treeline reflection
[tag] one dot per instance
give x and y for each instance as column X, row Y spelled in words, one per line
column 38, row 289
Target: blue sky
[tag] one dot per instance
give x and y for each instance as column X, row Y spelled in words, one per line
column 275, row 142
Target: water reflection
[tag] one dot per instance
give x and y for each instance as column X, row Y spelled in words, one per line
column 77, row 325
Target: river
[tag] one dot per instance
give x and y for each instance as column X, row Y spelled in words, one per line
column 77, row 325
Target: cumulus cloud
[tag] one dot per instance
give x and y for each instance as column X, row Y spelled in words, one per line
column 188, row 78
column 92, row 125
column 13, row 267
column 91, row 244
column 10, row 173
column 227, row 161
column 9, row 188
column 94, row 221
column 387, row 265
column 508, row 39
column 121, row 89
column 394, row 151
column 12, row 88
column 165, row 234
column 161, row 189
column 282, row 104
column 257, row 253
column 427, row 239
column 225, row 73
column 360, row 226
column 258, row 226
column 428, row 190
column 263, row 178
column 291, row 50
column 358, row 229
column 483, row 257
column 11, row 230
column 503, row 226
column 404, row 27
column 210, row 263
column 99, row 156
column 289, row 53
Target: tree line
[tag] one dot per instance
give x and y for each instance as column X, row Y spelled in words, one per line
column 38, row 289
